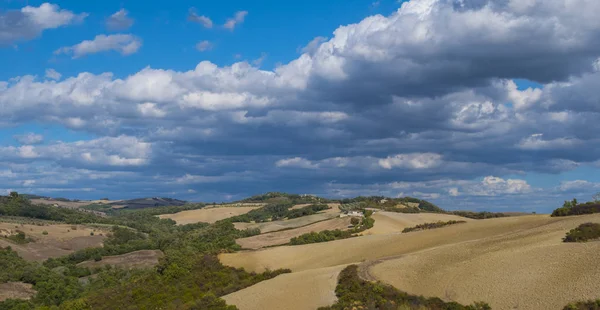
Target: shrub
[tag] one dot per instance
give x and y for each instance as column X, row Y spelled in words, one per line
column 431, row 226
column 44, row 232
column 583, row 233
column 586, row 208
column 584, row 305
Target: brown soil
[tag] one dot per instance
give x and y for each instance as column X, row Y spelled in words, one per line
column 295, row 291
column 137, row 259
column 16, row 290
column 284, row 236
column 61, row 240
column 206, row 215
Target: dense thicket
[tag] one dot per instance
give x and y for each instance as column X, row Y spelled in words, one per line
column 434, row 225
column 277, row 211
column 189, row 276
column 580, row 209
column 478, row 215
column 583, row 233
column 355, row 293
column 330, row 235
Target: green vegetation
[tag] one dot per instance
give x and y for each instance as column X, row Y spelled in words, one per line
column 277, row 197
column 390, row 204
column 189, row 276
column 20, row 238
column 425, row 226
column 277, row 211
column 478, row 215
column 355, row 293
column 584, row 305
column 584, row 232
column 581, row 209
column 330, row 235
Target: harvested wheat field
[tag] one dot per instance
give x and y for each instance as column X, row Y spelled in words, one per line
column 295, row 291
column 393, row 222
column 511, row 263
column 284, row 236
column 207, row 215
column 16, row 290
column 137, row 259
column 62, row 239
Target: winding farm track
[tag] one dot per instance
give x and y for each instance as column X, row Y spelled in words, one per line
column 511, row 263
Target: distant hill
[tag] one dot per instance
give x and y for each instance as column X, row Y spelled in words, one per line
column 151, row 202
column 278, row 197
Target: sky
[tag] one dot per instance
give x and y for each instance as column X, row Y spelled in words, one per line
column 471, row 104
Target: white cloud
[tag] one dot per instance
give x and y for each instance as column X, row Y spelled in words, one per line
column 204, row 46
column 536, row 142
column 201, row 19
column 150, row 109
column 236, row 20
column 411, row 161
column 119, row 21
column 313, row 45
column 30, row 21
column 296, row 162
column 29, row 138
column 53, row 74
column 125, row 44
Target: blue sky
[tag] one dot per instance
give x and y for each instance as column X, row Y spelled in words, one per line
column 486, row 105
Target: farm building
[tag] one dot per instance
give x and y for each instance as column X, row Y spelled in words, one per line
column 352, row 213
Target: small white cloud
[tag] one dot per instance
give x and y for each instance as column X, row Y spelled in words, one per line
column 296, row 162
column 453, row 192
column 119, row 21
column 28, row 151
column 258, row 61
column 29, row 138
column 150, row 109
column 204, row 46
column 537, row 142
column 53, row 74
column 125, row 44
column 411, row 161
column 313, row 45
column 200, row 19
column 237, row 19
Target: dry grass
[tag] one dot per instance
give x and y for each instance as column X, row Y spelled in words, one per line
column 283, row 237
column 512, row 263
column 206, row 215
column 392, row 222
column 61, row 240
column 295, row 291
column 16, row 290
column 137, row 259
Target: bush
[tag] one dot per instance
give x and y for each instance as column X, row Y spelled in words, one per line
column 44, row 232
column 431, row 225
column 583, row 233
column 584, row 305
column 19, row 238
column 586, row 208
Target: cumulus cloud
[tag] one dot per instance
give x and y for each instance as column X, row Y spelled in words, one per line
column 425, row 100
column 313, row 45
column 412, row 161
column 29, row 138
column 125, row 44
column 204, row 46
column 200, row 19
column 119, row 21
column 31, row 21
column 237, row 19
column 53, row 74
